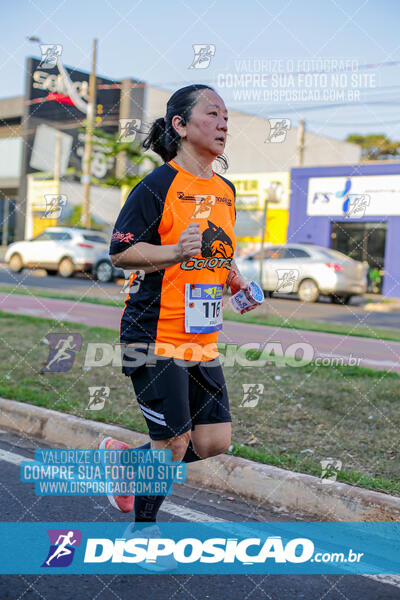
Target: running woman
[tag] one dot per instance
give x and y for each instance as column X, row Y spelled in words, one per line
column 177, row 226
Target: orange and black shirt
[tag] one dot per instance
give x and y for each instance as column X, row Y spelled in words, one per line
column 156, row 211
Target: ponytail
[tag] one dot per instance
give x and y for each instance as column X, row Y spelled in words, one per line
column 163, row 139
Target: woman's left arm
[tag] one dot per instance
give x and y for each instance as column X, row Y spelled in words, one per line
column 235, row 280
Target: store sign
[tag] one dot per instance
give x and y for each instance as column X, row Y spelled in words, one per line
column 38, row 217
column 49, row 103
column 248, row 202
column 335, row 196
column 42, row 80
column 245, row 185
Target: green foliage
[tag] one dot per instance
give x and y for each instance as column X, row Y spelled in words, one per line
column 112, row 146
column 74, row 220
column 375, row 146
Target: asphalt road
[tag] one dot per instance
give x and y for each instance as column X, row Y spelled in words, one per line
column 324, row 310
column 18, row 503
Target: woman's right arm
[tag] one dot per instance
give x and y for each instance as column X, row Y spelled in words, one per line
column 150, row 257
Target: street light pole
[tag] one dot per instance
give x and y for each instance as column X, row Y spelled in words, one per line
column 274, row 194
column 264, row 228
column 300, row 143
column 88, row 141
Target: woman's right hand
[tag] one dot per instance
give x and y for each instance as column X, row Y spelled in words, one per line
column 189, row 242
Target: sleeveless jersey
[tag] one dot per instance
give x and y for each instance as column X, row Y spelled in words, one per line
column 156, row 211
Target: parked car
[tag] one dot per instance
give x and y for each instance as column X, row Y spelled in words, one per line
column 306, row 270
column 104, row 270
column 62, row 250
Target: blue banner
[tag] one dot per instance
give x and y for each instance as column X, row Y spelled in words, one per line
column 201, row 548
column 88, row 472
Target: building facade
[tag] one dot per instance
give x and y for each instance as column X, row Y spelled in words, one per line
column 354, row 209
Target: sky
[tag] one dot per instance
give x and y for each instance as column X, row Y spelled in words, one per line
column 334, row 63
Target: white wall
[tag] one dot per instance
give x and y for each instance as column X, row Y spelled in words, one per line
column 10, row 157
column 105, row 203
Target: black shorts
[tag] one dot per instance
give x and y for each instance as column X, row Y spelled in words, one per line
column 175, row 398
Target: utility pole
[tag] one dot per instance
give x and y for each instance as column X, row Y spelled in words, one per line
column 264, row 229
column 6, row 208
column 57, row 158
column 273, row 195
column 88, row 141
column 300, row 144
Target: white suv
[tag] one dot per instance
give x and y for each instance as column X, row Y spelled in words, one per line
column 62, row 250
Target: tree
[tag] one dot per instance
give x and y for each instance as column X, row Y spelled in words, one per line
column 75, row 219
column 375, row 146
column 111, row 147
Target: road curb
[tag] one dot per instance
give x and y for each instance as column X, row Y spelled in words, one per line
column 265, row 484
column 382, row 308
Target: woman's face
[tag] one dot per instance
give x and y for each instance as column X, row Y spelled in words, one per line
column 207, row 127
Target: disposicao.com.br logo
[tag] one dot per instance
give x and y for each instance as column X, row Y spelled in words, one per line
column 202, row 548
column 192, row 550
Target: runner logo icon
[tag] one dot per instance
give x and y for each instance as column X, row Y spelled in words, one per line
column 62, row 547
column 61, row 352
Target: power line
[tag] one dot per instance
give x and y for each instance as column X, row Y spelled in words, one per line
column 352, row 124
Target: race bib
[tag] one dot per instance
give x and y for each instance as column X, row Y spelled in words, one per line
column 203, row 308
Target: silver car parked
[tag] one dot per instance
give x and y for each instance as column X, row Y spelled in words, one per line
column 306, row 270
column 62, row 250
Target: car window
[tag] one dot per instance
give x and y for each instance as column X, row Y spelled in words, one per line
column 295, row 253
column 273, row 253
column 329, row 253
column 268, row 253
column 92, row 237
column 42, row 237
column 60, row 236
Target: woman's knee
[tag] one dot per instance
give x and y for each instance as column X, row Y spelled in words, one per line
column 178, row 445
column 212, row 448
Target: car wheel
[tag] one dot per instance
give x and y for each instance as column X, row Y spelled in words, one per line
column 66, row 267
column 52, row 272
column 15, row 263
column 308, row 291
column 104, row 271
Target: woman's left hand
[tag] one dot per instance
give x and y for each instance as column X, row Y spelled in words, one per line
column 237, row 282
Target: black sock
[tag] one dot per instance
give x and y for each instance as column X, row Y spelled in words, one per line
column 147, row 507
column 144, row 447
column 190, row 455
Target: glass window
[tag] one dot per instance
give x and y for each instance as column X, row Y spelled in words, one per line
column 329, row 253
column 58, row 236
column 92, row 237
column 64, row 235
column 43, row 237
column 273, row 253
column 295, row 253
column 268, row 253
